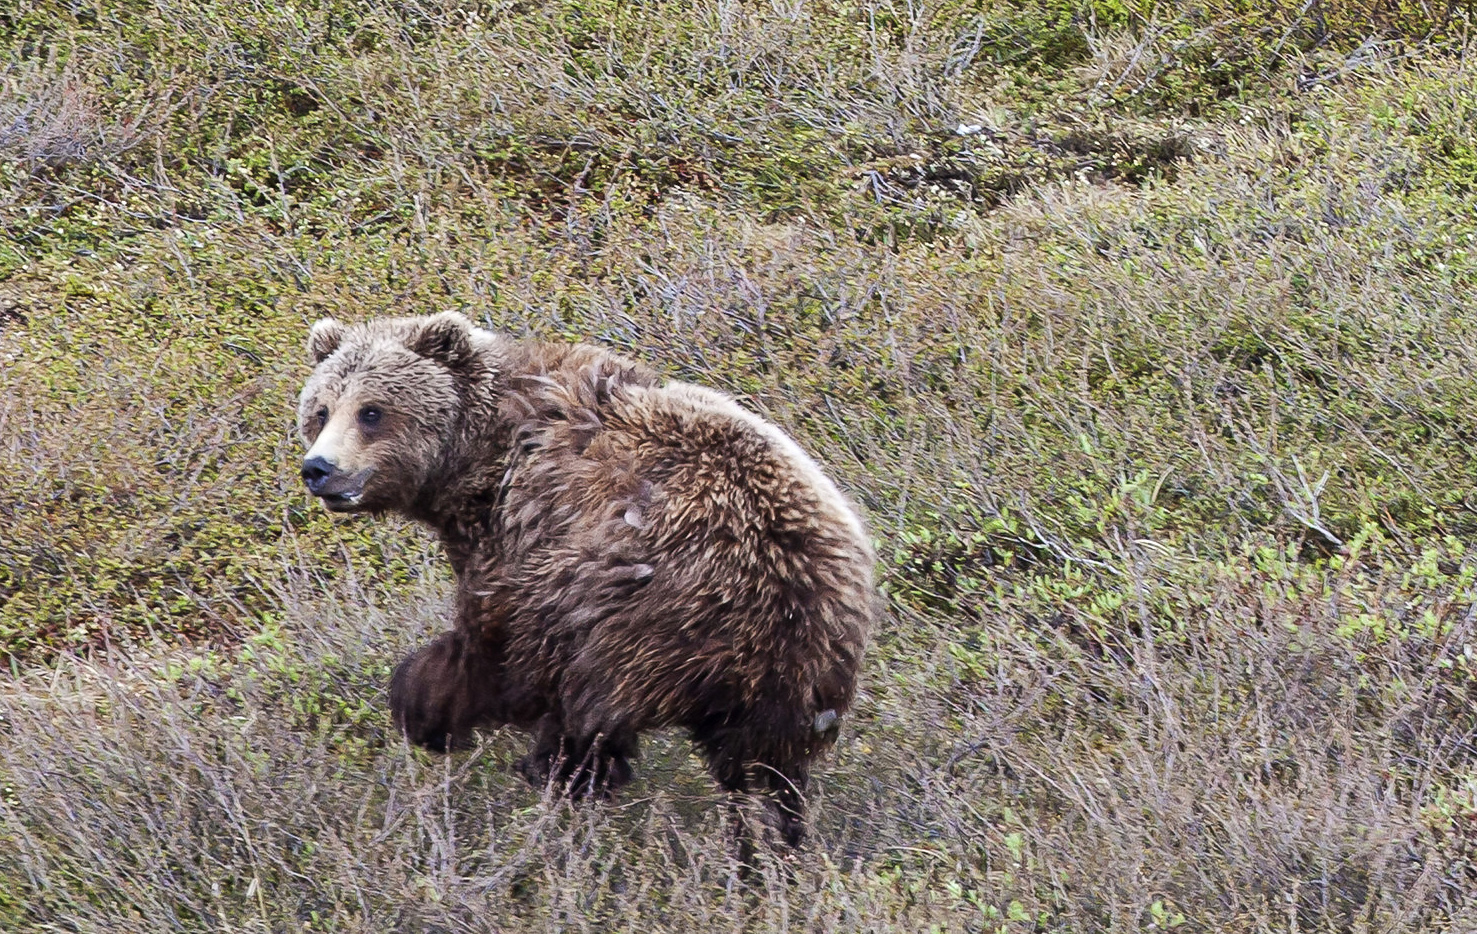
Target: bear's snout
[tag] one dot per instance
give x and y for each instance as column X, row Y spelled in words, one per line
column 339, row 489
column 317, row 471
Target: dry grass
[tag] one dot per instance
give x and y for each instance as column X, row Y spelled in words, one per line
column 1154, row 383
column 48, row 117
column 1243, row 773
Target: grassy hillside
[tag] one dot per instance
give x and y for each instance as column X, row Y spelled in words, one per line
column 1141, row 333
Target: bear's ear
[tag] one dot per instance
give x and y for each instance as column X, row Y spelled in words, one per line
column 445, row 338
column 324, row 339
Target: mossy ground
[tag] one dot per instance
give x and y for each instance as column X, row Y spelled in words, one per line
column 1140, row 332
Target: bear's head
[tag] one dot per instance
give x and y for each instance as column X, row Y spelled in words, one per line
column 383, row 405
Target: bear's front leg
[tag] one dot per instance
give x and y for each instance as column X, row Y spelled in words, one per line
column 538, row 763
column 440, row 694
column 590, row 767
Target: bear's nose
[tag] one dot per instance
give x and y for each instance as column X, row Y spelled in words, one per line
column 316, row 471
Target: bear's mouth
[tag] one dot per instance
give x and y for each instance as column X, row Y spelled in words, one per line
column 342, row 502
column 344, row 492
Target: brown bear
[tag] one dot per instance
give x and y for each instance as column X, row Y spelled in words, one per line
column 630, row 553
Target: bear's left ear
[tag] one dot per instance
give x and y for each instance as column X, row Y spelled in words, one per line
column 445, row 338
column 324, row 339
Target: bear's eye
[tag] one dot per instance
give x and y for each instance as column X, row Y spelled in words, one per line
column 369, row 416
column 322, row 415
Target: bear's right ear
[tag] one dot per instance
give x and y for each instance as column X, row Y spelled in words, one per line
column 445, row 338
column 324, row 339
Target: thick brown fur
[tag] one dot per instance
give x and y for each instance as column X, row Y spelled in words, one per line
column 630, row 553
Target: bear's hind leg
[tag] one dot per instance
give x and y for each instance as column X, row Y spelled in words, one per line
column 444, row 691
column 743, row 767
column 726, row 765
column 785, row 801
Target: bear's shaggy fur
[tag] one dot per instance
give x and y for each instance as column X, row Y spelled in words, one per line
column 630, row 553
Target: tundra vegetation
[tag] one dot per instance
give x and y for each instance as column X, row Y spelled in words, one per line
column 1139, row 330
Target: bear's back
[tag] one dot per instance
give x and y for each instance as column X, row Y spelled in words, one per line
column 596, row 435
column 669, row 541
